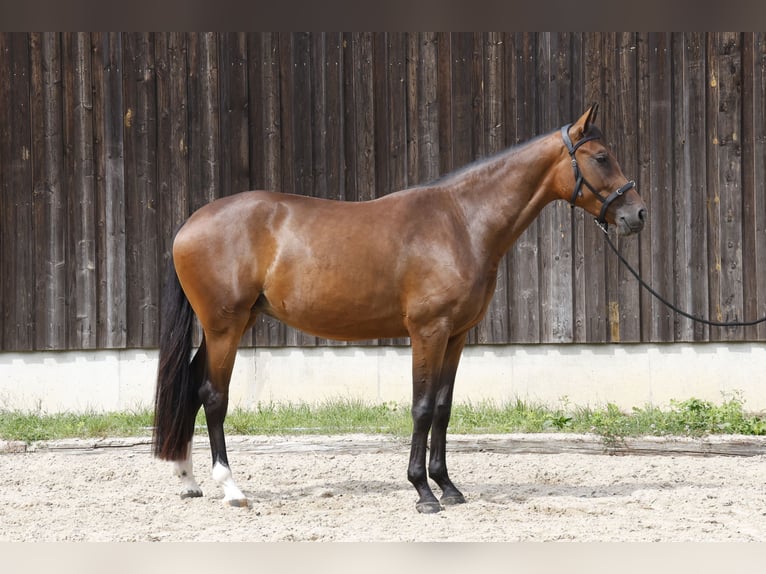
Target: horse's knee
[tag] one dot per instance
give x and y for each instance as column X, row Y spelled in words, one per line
column 422, row 411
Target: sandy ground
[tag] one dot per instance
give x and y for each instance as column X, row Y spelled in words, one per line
column 355, row 489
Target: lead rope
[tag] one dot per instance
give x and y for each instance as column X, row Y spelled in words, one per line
column 668, row 303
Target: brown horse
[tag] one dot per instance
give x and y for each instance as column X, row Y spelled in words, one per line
column 420, row 263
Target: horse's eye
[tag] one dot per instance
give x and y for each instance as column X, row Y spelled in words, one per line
column 602, row 158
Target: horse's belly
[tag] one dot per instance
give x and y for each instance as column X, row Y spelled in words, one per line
column 334, row 318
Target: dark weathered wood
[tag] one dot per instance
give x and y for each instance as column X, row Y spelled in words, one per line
column 141, row 205
column 591, row 284
column 758, row 138
column 495, row 325
column 83, row 331
column 730, row 177
column 524, row 285
column 109, row 141
column 690, row 251
column 660, row 183
column 16, row 208
column 50, row 195
column 555, row 254
column 112, row 276
column 622, row 133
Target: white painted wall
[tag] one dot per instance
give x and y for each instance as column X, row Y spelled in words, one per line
column 587, row 375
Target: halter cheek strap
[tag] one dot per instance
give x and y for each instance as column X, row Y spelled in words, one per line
column 580, row 179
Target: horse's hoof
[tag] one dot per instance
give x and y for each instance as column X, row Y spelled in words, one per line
column 238, row 502
column 191, row 494
column 428, row 507
column 453, row 500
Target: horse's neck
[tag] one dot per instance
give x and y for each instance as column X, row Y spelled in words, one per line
column 502, row 197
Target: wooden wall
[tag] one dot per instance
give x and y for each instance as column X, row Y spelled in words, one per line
column 108, row 141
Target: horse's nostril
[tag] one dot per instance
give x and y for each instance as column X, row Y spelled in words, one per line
column 642, row 214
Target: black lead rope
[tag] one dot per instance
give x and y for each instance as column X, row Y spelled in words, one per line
column 668, row 303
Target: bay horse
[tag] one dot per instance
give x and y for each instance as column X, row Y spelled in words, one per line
column 419, row 263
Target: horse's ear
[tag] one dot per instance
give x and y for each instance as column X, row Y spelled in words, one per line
column 583, row 124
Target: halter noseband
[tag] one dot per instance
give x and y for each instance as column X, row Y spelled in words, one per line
column 580, row 179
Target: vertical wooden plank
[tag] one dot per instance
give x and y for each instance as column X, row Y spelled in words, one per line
column 296, row 113
column 17, row 316
column 318, row 61
column 724, row 212
column 364, row 111
column 112, row 276
column 99, row 165
column 172, row 144
column 660, row 182
column 83, row 325
column 610, row 74
column 50, row 195
column 622, row 138
column 445, row 82
column 461, row 120
column 556, row 306
column 594, row 277
column 730, row 165
column 197, row 193
column 690, row 262
column 523, row 263
column 396, row 114
column 7, row 339
column 423, row 84
column 165, row 152
column 758, row 139
column 580, row 319
column 235, row 157
column 7, row 335
column 494, row 328
column 382, row 111
column 211, row 108
column 749, row 203
column 332, row 144
column 140, row 132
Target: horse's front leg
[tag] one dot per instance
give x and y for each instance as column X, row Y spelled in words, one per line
column 428, row 346
column 437, row 465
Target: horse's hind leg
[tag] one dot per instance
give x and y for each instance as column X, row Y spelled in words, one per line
column 184, row 469
column 214, row 392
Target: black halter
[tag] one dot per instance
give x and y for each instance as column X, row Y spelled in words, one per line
column 580, row 179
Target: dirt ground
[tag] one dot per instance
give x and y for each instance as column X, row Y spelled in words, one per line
column 354, row 488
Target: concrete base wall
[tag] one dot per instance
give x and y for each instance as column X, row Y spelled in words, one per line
column 583, row 375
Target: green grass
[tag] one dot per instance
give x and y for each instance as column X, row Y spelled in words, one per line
column 692, row 417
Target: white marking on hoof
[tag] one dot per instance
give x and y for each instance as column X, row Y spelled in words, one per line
column 183, row 469
column 232, row 495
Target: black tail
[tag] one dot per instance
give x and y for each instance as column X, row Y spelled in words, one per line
column 176, row 399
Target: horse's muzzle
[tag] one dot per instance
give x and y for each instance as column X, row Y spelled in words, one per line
column 630, row 220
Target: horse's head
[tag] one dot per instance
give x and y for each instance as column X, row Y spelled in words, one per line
column 590, row 177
